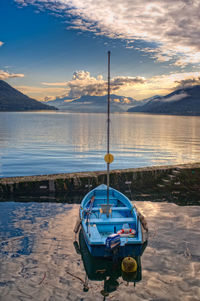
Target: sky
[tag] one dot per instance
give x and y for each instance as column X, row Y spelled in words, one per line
column 56, row 48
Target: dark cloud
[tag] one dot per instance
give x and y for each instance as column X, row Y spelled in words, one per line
column 188, row 82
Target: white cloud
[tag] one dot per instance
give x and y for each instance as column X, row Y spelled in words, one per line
column 173, row 25
column 55, row 84
column 83, row 83
column 175, row 97
column 1, row 43
column 6, row 75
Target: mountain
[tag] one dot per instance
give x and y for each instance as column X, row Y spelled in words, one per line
column 151, row 98
column 184, row 101
column 95, row 104
column 13, row 100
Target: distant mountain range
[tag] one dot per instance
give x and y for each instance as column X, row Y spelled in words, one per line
column 184, row 101
column 95, row 104
column 13, row 100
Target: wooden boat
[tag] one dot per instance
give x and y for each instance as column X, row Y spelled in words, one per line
column 111, row 229
column 110, row 223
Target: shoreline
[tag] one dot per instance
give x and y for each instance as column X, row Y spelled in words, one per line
column 181, row 178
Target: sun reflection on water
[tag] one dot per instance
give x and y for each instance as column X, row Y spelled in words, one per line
column 38, row 259
column 42, row 143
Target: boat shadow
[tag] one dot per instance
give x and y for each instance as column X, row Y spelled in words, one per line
column 106, row 270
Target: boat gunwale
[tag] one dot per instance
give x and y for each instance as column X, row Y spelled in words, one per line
column 127, row 206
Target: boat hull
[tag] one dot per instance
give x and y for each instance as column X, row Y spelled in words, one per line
column 121, row 251
column 99, row 269
column 98, row 227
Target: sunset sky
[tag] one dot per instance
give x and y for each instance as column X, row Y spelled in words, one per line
column 53, row 48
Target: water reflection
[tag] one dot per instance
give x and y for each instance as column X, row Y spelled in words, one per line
column 54, row 142
column 38, row 260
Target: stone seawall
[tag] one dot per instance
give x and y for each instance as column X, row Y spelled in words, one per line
column 184, row 178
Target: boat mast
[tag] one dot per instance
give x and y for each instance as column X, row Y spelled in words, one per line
column 108, row 157
column 108, row 130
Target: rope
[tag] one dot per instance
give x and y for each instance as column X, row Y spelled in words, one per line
column 75, row 277
column 42, row 278
column 85, row 283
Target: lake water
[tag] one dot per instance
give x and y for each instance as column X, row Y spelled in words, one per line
column 33, row 143
column 38, row 260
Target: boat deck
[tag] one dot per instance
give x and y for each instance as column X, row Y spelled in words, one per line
column 101, row 218
column 111, row 220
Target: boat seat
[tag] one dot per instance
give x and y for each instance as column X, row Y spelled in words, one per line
column 113, row 209
column 101, row 197
column 112, row 220
column 103, row 200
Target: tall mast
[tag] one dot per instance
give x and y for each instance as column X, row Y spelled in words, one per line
column 108, row 131
column 108, row 157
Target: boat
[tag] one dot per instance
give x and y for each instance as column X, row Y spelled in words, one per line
column 110, row 223
column 117, row 228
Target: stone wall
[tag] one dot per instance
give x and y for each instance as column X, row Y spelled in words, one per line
column 183, row 178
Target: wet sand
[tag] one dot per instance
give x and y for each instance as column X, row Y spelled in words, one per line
column 38, row 260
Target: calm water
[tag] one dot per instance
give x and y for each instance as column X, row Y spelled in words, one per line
column 56, row 142
column 38, row 260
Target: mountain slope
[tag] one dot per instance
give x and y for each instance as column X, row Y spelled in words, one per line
column 13, row 100
column 95, row 104
column 184, row 101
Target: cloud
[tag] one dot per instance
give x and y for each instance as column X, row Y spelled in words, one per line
column 172, row 79
column 83, row 83
column 188, row 82
column 161, row 85
column 55, row 84
column 24, row 2
column 1, row 43
column 49, row 98
column 6, row 75
column 175, row 97
column 42, row 93
column 173, row 26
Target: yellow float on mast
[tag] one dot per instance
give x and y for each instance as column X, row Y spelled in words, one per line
column 109, row 158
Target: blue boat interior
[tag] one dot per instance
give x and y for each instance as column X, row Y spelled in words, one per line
column 99, row 220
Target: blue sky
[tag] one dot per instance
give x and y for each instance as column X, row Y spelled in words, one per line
column 52, row 48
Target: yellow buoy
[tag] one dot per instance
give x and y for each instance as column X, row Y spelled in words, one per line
column 109, row 158
column 129, row 265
